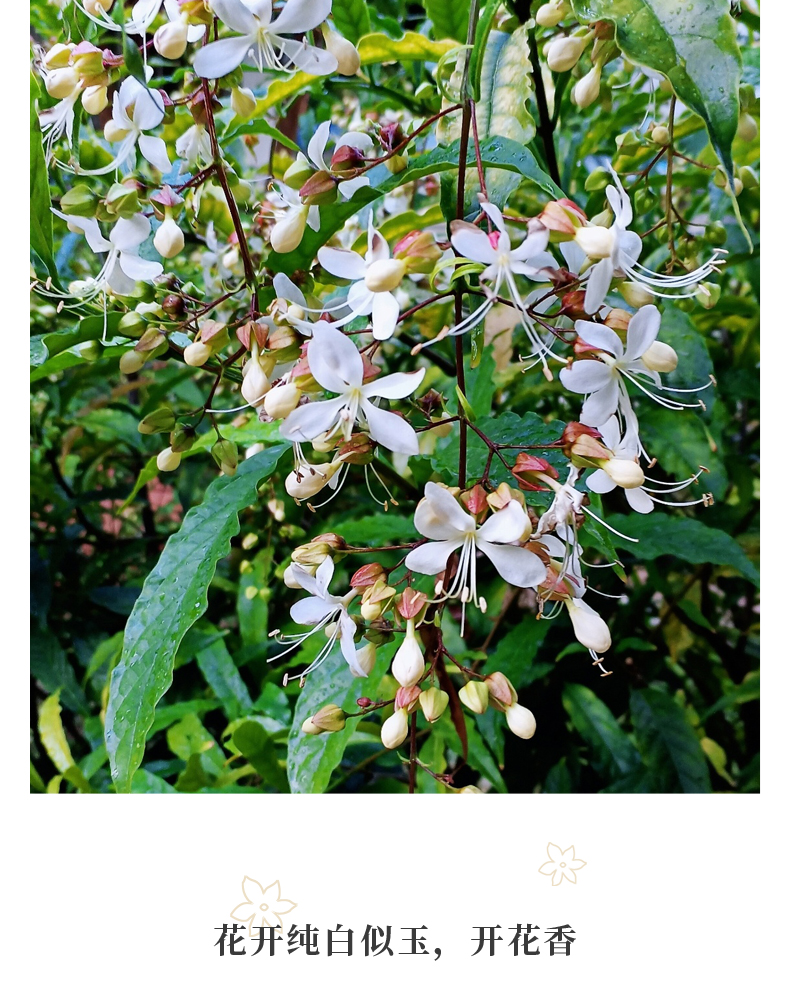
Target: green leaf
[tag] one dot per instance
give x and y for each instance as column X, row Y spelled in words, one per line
column 501, row 110
column 748, row 690
column 681, row 443
column 253, row 612
column 256, row 126
column 48, row 664
column 526, row 431
column 696, row 366
column 669, row 745
column 253, row 742
column 351, row 18
column 683, row 537
column 146, row 783
column 494, row 152
column 450, row 20
column 377, row 529
column 40, row 202
column 515, row 653
column 693, row 44
column 312, row 759
column 53, row 738
column 217, row 666
column 174, row 596
column 612, row 753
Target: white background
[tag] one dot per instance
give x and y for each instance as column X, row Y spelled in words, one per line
column 681, row 896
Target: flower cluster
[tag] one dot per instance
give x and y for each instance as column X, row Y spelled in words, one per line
column 312, row 342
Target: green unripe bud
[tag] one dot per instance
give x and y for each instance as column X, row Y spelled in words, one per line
column 91, row 350
column 80, row 200
column 708, row 294
column 157, row 421
column 398, row 163
column 226, row 455
column 131, row 362
column 715, row 233
column 122, row 201
column 748, row 177
column 299, row 172
column 475, row 696
column 628, row 143
column 598, row 179
column 182, row 437
column 660, row 135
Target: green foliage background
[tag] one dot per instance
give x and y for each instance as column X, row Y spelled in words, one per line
column 191, row 565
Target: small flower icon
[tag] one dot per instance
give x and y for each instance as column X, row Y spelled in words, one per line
column 261, row 906
column 561, row 864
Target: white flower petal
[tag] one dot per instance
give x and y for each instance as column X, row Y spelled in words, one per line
column 628, row 247
column 431, row 557
column 642, row 331
column 311, row 610
column 639, row 500
column 360, row 299
column 323, row 575
column 89, row 229
column 600, row 336
column 311, row 419
column 149, row 109
column 472, row 243
column 129, row 233
column 237, row 16
column 317, row 145
column 350, row 187
column 600, row 482
column 119, row 282
column 287, row 290
column 219, row 58
column 600, row 278
column 507, row 525
column 308, row 58
column 137, row 268
column 385, row 315
column 301, row 15
column 334, row 360
column 587, row 376
column 599, row 406
column 348, row 630
column 395, row 386
column 494, row 214
column 620, row 202
column 516, row 566
column 390, row 430
column 343, row 263
column 155, row 151
column 440, row 516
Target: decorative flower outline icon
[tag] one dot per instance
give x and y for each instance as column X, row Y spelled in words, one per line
column 261, row 906
column 561, row 864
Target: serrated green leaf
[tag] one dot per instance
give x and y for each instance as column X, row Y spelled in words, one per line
column 174, row 596
column 612, row 753
column 683, row 537
column 669, row 745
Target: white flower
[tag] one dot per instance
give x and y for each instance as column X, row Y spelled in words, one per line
column 123, row 266
column 626, row 446
column 58, row 121
column 336, row 365
column 194, row 147
column 143, row 15
column 603, row 380
column 440, row 517
column 316, row 152
column 375, row 276
column 503, row 263
column 618, row 251
column 291, row 215
column 263, row 39
column 320, row 610
column 135, row 110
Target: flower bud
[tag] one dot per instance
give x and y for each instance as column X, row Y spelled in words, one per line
column 397, row 164
column 170, row 41
column 343, row 50
column 307, row 480
column 395, row 729
column 320, row 189
column 97, row 7
column 157, row 421
column 226, row 455
column 660, row 357
column 627, row 474
column 470, row 788
column 520, row 721
column 366, row 658
column 282, row 400
column 329, row 719
column 587, row 89
column 80, row 200
column 563, row 53
column 500, row 690
column 708, row 294
column 596, row 241
column 408, row 664
column 635, row 295
column 243, row 102
column 299, row 172
column 60, row 83
column 747, row 127
column 384, row 275
column 255, row 384
column 122, row 200
column 433, row 702
column 374, row 598
column 88, row 62
column 407, row 697
column 168, row 239
column 660, row 135
column 550, row 14
column 475, row 696
column 59, row 56
column 588, row 626
column 131, row 362
column 418, row 251
column 628, row 143
column 310, row 729
column 94, row 100
column 562, row 218
column 286, row 235
column 114, row 133
column 168, row 460
column 197, row 354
